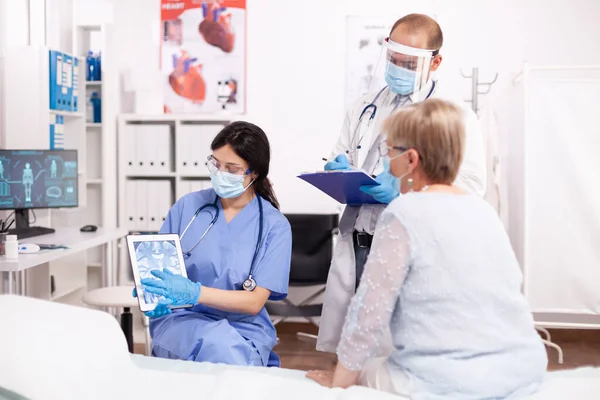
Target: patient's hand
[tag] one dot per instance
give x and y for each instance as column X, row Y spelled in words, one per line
column 323, row 378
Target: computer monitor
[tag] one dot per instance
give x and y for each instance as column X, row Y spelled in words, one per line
column 34, row 179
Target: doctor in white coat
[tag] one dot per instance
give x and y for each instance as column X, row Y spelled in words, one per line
column 409, row 56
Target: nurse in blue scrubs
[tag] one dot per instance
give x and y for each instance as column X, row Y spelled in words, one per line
column 228, row 322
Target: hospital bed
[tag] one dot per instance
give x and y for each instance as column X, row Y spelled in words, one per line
column 55, row 351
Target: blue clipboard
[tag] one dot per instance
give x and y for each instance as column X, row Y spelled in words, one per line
column 343, row 186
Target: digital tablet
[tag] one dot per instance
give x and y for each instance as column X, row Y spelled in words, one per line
column 154, row 252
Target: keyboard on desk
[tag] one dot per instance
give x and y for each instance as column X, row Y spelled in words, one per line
column 32, row 231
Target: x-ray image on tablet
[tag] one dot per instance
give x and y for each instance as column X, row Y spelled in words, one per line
column 153, row 252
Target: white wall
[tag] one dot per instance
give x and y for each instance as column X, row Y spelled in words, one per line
column 296, row 69
column 14, row 31
column 59, row 25
column 296, row 58
column 296, row 63
column 14, row 25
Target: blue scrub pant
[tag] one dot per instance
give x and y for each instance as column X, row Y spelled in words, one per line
column 194, row 337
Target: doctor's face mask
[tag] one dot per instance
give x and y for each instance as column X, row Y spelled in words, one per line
column 406, row 69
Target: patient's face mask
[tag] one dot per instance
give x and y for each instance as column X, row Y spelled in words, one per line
column 387, row 167
column 384, row 152
column 226, row 185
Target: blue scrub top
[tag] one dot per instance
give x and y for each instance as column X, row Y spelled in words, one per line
column 222, row 260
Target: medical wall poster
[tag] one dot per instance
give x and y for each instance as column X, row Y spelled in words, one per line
column 364, row 38
column 203, row 55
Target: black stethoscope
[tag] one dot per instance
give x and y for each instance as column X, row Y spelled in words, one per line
column 249, row 284
column 371, row 106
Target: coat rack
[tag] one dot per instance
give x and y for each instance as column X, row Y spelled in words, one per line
column 475, row 88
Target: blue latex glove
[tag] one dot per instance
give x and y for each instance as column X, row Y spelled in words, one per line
column 387, row 190
column 340, row 163
column 178, row 290
column 162, row 307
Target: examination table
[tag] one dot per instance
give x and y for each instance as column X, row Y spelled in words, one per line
column 52, row 351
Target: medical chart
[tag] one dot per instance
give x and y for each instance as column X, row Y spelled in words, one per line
column 203, row 53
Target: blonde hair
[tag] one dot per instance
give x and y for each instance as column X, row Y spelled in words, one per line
column 435, row 129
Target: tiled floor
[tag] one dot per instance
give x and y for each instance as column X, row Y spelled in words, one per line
column 581, row 348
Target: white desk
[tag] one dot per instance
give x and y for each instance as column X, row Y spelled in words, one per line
column 75, row 240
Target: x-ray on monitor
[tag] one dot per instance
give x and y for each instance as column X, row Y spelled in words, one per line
column 34, row 179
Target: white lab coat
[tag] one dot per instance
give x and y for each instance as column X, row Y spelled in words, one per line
column 341, row 278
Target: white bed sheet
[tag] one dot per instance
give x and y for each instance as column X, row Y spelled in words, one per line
column 580, row 383
column 161, row 364
column 54, row 351
column 57, row 352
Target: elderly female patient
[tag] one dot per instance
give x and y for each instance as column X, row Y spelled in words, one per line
column 442, row 276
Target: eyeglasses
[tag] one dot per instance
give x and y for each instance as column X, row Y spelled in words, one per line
column 214, row 165
column 384, row 149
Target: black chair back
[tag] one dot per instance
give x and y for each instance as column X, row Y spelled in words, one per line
column 312, row 247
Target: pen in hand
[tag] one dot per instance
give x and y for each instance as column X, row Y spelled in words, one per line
column 371, row 175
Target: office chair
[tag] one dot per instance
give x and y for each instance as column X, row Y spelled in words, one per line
column 313, row 239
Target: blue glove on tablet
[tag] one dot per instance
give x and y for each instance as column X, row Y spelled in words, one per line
column 162, row 308
column 179, row 290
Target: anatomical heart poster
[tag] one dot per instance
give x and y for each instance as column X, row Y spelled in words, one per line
column 203, row 55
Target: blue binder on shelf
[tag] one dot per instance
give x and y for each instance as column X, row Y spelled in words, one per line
column 75, row 80
column 343, row 186
column 62, row 90
column 57, row 134
column 68, row 82
column 54, row 81
column 60, row 78
column 52, row 129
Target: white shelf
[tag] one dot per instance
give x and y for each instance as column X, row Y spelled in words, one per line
column 195, row 177
column 182, row 118
column 66, row 292
column 89, row 27
column 100, row 138
column 69, row 114
column 151, row 175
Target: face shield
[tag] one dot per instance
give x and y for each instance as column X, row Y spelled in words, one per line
column 404, row 69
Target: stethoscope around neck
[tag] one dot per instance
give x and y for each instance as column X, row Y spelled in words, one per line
column 249, row 284
column 372, row 107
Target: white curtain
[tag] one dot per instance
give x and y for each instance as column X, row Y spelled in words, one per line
column 562, row 190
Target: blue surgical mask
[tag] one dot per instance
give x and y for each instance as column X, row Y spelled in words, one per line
column 386, row 165
column 387, row 168
column 400, row 80
column 226, row 185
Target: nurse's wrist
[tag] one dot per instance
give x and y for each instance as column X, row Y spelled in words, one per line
column 197, row 293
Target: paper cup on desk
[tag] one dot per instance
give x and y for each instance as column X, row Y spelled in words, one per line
column 2, row 242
